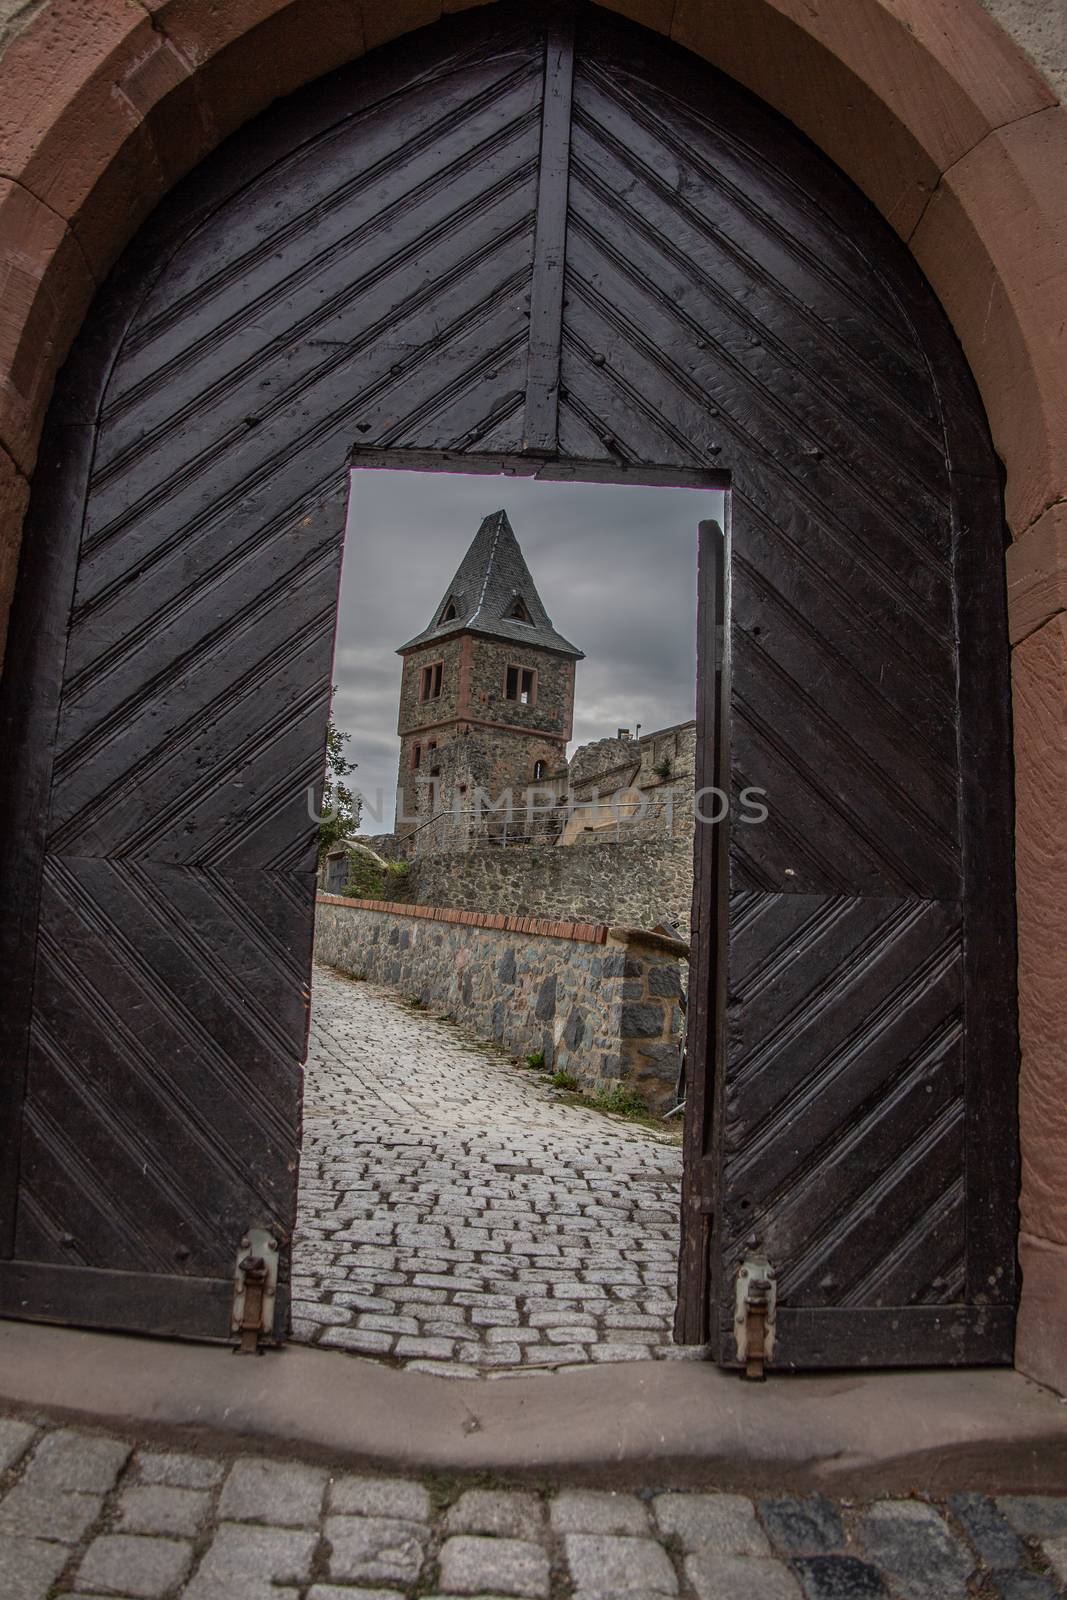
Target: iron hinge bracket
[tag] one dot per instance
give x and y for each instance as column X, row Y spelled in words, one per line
column 254, row 1290
column 754, row 1314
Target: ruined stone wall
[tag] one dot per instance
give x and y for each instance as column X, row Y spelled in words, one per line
column 632, row 788
column 638, row 882
column 602, row 1004
column 608, row 764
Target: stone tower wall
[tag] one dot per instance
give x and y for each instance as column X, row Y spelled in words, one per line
column 483, row 740
column 428, row 714
column 553, row 711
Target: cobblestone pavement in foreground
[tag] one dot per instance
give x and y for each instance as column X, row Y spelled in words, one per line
column 86, row 1515
column 455, row 1216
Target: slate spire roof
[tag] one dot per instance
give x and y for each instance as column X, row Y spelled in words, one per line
column 493, row 593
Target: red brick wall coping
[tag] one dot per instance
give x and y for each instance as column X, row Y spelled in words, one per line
column 544, row 927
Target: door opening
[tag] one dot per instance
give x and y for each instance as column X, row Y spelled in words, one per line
column 495, row 1092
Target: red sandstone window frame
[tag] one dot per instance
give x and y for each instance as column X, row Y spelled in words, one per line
column 431, row 680
column 521, row 672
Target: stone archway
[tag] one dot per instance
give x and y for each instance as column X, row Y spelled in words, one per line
column 423, row 253
column 963, row 143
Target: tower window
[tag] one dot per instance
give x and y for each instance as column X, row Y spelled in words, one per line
column 430, row 681
column 450, row 613
column 416, row 757
column 520, row 685
column 540, row 768
column 518, row 612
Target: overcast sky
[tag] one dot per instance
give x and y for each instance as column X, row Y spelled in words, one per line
column 615, row 567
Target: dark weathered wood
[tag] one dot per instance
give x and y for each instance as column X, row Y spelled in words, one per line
column 133, row 1302
column 721, row 306
column 897, row 1336
column 218, row 390
column 541, row 425
column 29, row 707
column 374, row 274
column 702, row 1018
column 987, row 807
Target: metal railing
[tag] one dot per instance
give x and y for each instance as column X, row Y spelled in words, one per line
column 516, row 826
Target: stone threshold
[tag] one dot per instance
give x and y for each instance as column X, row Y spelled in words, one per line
column 680, row 1424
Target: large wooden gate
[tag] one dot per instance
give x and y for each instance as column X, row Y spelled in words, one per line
column 561, row 244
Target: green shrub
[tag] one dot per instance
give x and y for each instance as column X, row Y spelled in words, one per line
column 563, row 1080
column 622, row 1101
column 365, row 878
column 536, row 1059
column 369, row 881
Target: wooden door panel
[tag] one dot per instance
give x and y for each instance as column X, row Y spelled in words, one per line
column 718, row 313
column 366, row 282
column 182, row 1030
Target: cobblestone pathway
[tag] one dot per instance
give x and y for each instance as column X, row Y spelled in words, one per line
column 456, row 1217
column 87, row 1515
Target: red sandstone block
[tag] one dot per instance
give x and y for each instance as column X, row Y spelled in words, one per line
column 45, row 289
column 1037, row 574
column 894, row 93
column 993, row 243
column 1041, row 1348
column 99, row 118
column 388, row 19
column 14, row 493
column 248, row 53
column 1040, row 684
column 654, row 14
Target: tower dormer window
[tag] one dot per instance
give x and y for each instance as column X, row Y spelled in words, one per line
column 450, row 613
column 520, row 685
column 518, row 612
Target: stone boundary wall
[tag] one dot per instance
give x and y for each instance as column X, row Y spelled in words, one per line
column 603, row 1004
column 637, row 882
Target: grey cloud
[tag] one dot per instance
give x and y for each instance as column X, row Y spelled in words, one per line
column 615, row 567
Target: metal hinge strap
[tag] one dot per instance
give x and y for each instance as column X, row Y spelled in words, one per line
column 254, row 1291
column 754, row 1314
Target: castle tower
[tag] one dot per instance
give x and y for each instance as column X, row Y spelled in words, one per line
column 487, row 693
